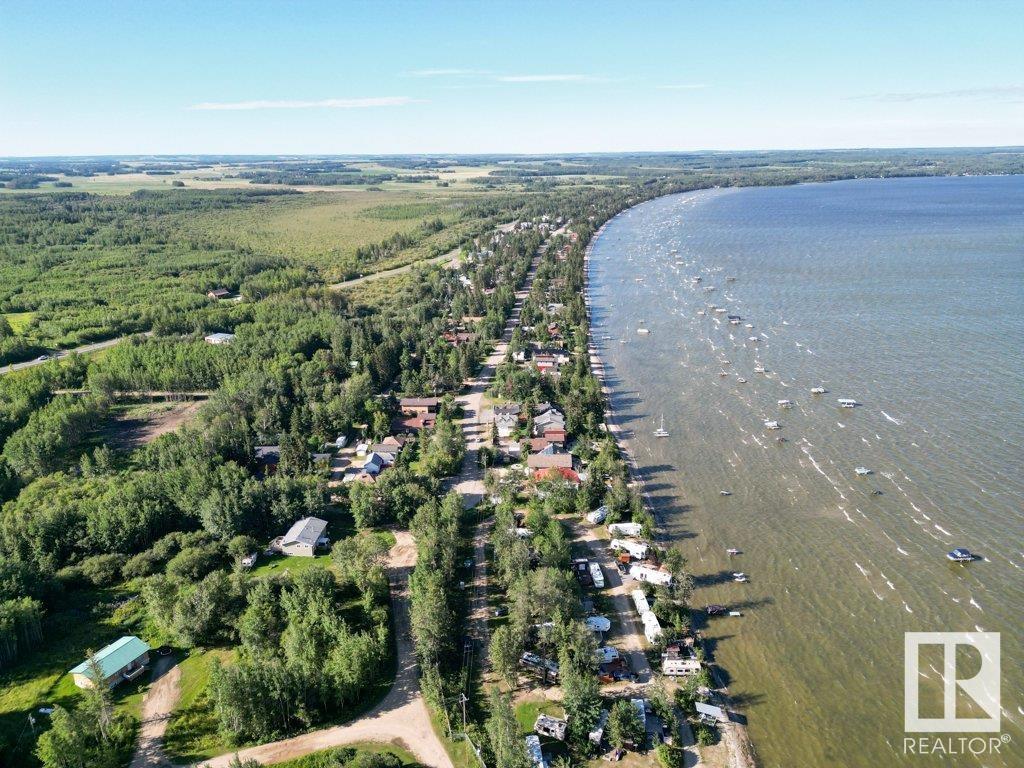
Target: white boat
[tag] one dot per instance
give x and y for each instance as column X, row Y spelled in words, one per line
column 846, row 402
column 749, row 325
column 725, row 362
column 772, row 424
column 643, row 331
column 742, row 578
column 735, row 613
column 785, row 403
column 817, row 390
column 734, row 322
column 730, row 279
column 960, row 555
column 723, row 373
column 753, row 338
column 758, row 369
column 725, row 493
column 862, row 471
column 741, row 380
column 661, row 431
column 720, row 310
column 732, row 551
column 701, row 312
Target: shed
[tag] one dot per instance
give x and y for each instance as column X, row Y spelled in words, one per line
column 123, row 659
column 219, row 338
column 304, row 537
column 710, row 714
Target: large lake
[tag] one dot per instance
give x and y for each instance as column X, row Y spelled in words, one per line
column 906, row 295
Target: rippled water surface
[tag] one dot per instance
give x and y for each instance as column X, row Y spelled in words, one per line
column 906, row 295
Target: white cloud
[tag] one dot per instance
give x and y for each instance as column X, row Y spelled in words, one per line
column 446, row 72
column 686, row 87
column 546, row 78
column 995, row 93
column 376, row 101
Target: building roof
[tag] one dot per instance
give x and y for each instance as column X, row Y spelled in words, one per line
column 510, row 409
column 547, row 460
column 553, row 473
column 115, row 656
column 213, row 337
column 710, row 710
column 268, row 454
column 419, row 402
column 306, row 531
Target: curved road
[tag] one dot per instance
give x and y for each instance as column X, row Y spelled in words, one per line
column 401, row 718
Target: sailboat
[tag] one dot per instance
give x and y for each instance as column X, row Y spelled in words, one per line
column 661, row 431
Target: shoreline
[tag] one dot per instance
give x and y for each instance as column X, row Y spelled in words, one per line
column 740, row 748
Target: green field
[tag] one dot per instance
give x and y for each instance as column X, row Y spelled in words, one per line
column 19, row 321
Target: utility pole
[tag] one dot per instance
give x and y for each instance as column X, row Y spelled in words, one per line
column 462, row 700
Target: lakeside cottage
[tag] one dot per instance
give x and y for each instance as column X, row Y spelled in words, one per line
column 123, row 659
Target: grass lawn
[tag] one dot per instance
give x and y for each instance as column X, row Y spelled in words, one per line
column 267, row 564
column 19, row 320
column 86, row 621
column 192, row 730
column 526, row 716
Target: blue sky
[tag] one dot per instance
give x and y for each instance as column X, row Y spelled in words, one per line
column 259, row 77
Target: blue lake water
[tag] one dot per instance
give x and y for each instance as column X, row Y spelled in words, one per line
column 906, row 295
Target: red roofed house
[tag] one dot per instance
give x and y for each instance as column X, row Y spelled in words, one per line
column 553, row 473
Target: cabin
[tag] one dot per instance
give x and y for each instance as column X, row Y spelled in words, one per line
column 549, row 460
column 709, row 714
column 218, row 339
column 304, row 537
column 218, row 293
column 267, row 458
column 552, row 727
column 412, row 406
column 123, row 659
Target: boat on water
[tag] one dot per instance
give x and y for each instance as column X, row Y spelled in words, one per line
column 716, row 610
column 785, row 403
column 723, row 373
column 817, row 390
column 725, row 493
column 732, row 551
column 772, row 424
column 730, row 279
column 741, row 577
column 734, row 322
column 759, row 369
column 643, row 331
column 701, row 312
column 847, row 402
column 735, row 613
column 961, row 555
column 753, row 339
column 862, row 471
column 741, row 380
column 749, row 325
column 661, row 431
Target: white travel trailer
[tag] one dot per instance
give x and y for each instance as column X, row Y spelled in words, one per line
column 651, row 575
column 636, row 549
column 597, row 516
column 640, row 601
column 629, row 530
column 652, row 627
column 596, row 575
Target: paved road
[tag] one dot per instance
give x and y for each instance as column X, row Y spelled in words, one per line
column 401, row 717
column 82, row 350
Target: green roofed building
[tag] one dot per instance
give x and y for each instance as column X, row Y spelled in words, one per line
column 123, row 659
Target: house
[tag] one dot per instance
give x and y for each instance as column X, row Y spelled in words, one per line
column 551, row 727
column 123, row 659
column 651, row 575
column 505, row 424
column 414, row 422
column 534, row 751
column 549, row 420
column 388, row 451
column 629, row 530
column 218, row 293
column 375, row 464
column 546, row 364
column 636, row 549
column 418, row 405
column 509, row 409
column 458, row 338
column 555, row 435
column 549, row 461
column 597, row 516
column 219, row 338
column 304, row 537
column 267, row 458
column 557, row 473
